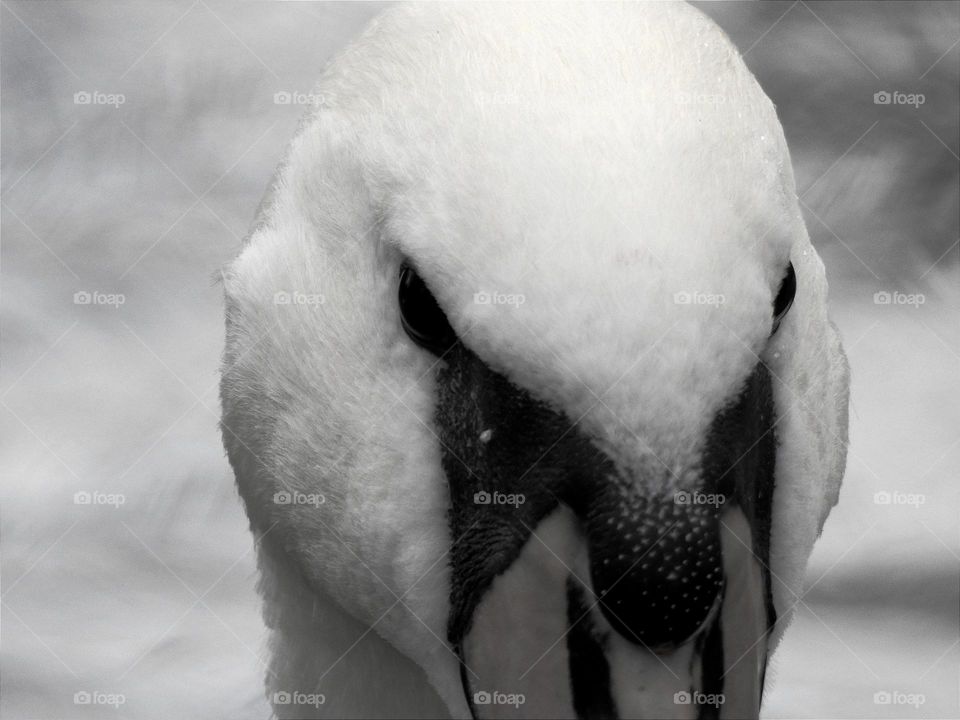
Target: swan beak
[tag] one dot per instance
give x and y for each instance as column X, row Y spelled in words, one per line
column 539, row 646
column 575, row 593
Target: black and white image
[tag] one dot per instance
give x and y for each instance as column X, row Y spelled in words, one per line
column 480, row 360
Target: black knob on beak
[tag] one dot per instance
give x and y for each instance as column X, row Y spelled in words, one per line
column 656, row 563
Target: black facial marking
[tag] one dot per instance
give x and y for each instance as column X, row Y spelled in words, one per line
column 656, row 563
column 589, row 669
column 741, row 452
column 710, row 649
column 531, row 452
column 784, row 299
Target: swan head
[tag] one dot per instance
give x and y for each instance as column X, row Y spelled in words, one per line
column 512, row 374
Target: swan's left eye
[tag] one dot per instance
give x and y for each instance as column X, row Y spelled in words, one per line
column 784, row 299
column 420, row 315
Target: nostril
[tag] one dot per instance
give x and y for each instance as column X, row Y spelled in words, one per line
column 656, row 588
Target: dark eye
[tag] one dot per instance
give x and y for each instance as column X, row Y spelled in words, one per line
column 422, row 318
column 784, row 299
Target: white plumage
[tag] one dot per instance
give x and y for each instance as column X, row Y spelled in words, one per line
column 616, row 167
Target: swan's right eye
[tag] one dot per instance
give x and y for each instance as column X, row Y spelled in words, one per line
column 420, row 315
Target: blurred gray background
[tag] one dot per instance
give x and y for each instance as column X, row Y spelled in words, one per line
column 126, row 562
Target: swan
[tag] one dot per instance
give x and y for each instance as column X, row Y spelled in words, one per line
column 529, row 386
